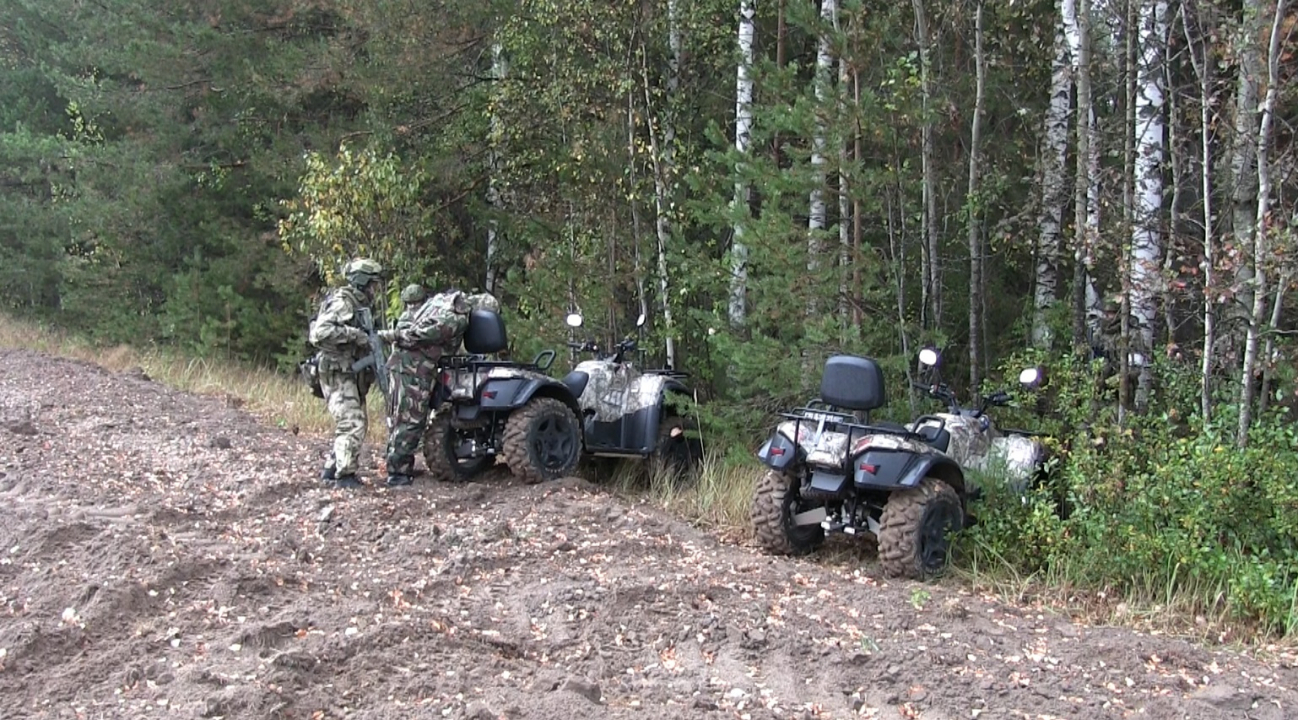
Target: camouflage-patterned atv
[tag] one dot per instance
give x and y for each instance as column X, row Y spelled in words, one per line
column 492, row 408
column 832, row 470
column 974, row 439
column 627, row 412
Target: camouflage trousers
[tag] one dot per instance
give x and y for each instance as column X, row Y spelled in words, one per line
column 343, row 397
column 412, row 391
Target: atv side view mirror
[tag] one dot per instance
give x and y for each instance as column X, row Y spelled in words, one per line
column 639, row 322
column 929, row 356
column 573, row 320
column 1031, row 377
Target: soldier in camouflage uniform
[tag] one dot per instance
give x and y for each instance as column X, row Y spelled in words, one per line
column 433, row 329
column 412, row 298
column 337, row 332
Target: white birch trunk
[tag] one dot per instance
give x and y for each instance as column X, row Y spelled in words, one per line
column 972, row 203
column 816, row 212
column 1261, row 249
column 933, row 263
column 1086, row 189
column 1053, row 198
column 1243, row 171
column 499, row 69
column 743, row 129
column 1150, row 157
column 1203, row 68
column 664, row 164
column 845, row 259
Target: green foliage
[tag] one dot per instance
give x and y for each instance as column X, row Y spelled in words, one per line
column 1165, row 502
column 359, row 203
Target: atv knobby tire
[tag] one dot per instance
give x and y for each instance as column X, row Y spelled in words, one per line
column 542, row 441
column 439, row 454
column 914, row 529
column 775, row 502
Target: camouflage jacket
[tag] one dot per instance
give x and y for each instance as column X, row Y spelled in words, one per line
column 336, row 329
column 434, row 327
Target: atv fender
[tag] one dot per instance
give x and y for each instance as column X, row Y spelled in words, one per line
column 887, row 469
column 778, row 451
column 635, row 433
column 513, row 393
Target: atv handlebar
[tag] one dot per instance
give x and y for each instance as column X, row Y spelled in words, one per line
column 941, row 392
column 619, row 351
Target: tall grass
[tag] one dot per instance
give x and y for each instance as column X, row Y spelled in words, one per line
column 278, row 398
column 717, row 497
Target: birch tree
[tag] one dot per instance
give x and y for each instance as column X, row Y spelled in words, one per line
column 1260, row 241
column 932, row 270
column 743, row 130
column 1053, row 186
column 1086, row 194
column 1243, row 170
column 1203, row 63
column 498, row 73
column 663, row 158
column 1149, row 160
column 816, row 211
column 973, row 203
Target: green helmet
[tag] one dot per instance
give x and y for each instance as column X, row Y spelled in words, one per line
column 413, row 293
column 361, row 271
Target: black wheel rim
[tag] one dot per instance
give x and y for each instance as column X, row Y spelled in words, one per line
column 933, row 535
column 553, row 443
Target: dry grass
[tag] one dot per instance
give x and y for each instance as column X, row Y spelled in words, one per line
column 278, row 398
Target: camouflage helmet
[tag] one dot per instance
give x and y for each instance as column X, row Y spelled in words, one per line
column 483, row 301
column 413, row 293
column 1112, row 306
column 361, row 271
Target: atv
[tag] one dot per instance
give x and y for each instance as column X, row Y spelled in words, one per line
column 496, row 408
column 627, row 412
column 831, row 470
column 971, row 438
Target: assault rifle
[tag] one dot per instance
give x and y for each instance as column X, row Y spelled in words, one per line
column 375, row 357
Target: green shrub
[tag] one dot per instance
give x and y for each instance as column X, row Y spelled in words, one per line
column 1165, row 504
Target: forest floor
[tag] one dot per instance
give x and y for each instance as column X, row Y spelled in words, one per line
column 168, row 555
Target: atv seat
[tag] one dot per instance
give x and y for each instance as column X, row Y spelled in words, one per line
column 576, row 381
column 939, row 438
column 486, row 333
column 853, row 383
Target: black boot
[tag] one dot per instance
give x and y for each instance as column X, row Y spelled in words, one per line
column 399, row 480
column 327, row 475
column 348, row 481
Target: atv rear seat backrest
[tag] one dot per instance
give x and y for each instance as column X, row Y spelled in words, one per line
column 486, row 333
column 852, row 383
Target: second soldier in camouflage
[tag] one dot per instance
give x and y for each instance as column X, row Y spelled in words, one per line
column 420, row 340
